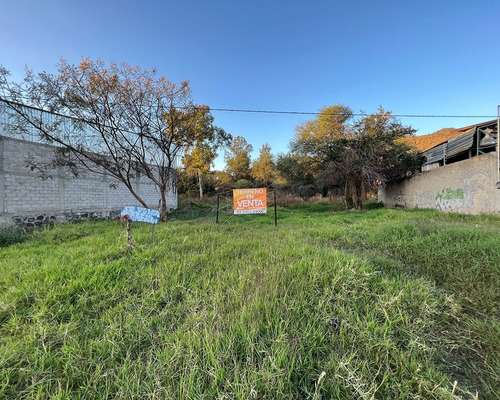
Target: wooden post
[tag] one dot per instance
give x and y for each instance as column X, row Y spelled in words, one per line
column 126, row 218
column 129, row 234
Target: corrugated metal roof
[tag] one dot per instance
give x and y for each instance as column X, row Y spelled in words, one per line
column 451, row 144
column 436, row 153
column 426, row 142
column 460, row 143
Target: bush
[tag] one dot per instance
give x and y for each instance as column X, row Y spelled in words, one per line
column 11, row 235
column 244, row 183
column 286, row 199
column 373, row 205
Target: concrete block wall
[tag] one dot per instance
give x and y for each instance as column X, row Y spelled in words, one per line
column 467, row 186
column 26, row 198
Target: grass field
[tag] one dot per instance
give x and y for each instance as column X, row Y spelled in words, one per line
column 383, row 304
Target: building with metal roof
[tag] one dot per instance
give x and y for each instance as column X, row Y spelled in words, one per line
column 461, row 172
column 450, row 145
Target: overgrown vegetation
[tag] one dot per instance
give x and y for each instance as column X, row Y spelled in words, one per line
column 11, row 235
column 334, row 154
column 352, row 157
column 382, row 304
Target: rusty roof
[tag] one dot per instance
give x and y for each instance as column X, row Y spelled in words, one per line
column 426, row 142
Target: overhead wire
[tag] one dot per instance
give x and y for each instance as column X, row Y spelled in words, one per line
column 354, row 114
column 285, row 112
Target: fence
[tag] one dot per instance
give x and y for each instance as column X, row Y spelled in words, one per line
column 70, row 130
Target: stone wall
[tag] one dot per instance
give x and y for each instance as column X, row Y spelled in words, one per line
column 467, row 186
column 26, row 198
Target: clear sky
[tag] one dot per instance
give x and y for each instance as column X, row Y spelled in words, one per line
column 435, row 57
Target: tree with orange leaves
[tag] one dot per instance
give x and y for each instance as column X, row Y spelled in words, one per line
column 112, row 119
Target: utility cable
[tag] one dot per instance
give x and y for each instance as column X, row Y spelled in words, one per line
column 252, row 111
column 353, row 114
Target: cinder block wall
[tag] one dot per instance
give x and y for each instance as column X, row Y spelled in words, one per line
column 467, row 186
column 26, row 198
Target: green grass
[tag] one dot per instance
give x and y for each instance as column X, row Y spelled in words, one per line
column 382, row 304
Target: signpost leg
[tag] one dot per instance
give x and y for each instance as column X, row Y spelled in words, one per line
column 217, row 213
column 275, row 211
column 129, row 233
column 131, row 213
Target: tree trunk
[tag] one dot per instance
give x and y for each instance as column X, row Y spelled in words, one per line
column 349, row 203
column 201, row 185
column 163, row 205
column 363, row 191
column 359, row 196
column 133, row 193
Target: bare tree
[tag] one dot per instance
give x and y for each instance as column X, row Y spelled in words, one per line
column 118, row 120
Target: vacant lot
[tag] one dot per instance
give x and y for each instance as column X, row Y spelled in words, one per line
column 384, row 304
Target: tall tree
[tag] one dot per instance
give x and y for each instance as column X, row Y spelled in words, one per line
column 199, row 157
column 333, row 150
column 264, row 168
column 118, row 120
column 197, row 163
column 238, row 158
column 372, row 155
column 312, row 137
column 295, row 175
column 309, row 150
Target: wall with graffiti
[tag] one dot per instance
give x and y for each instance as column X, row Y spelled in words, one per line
column 467, row 186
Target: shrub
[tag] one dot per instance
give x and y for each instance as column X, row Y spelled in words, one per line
column 373, row 205
column 287, row 199
column 11, row 235
column 244, row 183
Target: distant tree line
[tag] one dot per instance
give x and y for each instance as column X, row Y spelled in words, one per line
column 333, row 153
column 127, row 122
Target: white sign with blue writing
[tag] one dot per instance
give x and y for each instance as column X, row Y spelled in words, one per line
column 141, row 214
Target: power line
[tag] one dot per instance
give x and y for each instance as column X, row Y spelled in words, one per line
column 354, row 114
column 239, row 110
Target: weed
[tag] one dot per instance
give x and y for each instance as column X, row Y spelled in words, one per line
column 11, row 235
column 373, row 205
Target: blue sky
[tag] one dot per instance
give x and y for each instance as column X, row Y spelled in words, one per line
column 411, row 57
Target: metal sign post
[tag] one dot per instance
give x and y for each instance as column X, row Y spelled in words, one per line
column 275, row 209
column 142, row 215
column 217, row 214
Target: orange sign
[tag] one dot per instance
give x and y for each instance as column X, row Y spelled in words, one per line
column 250, row 201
